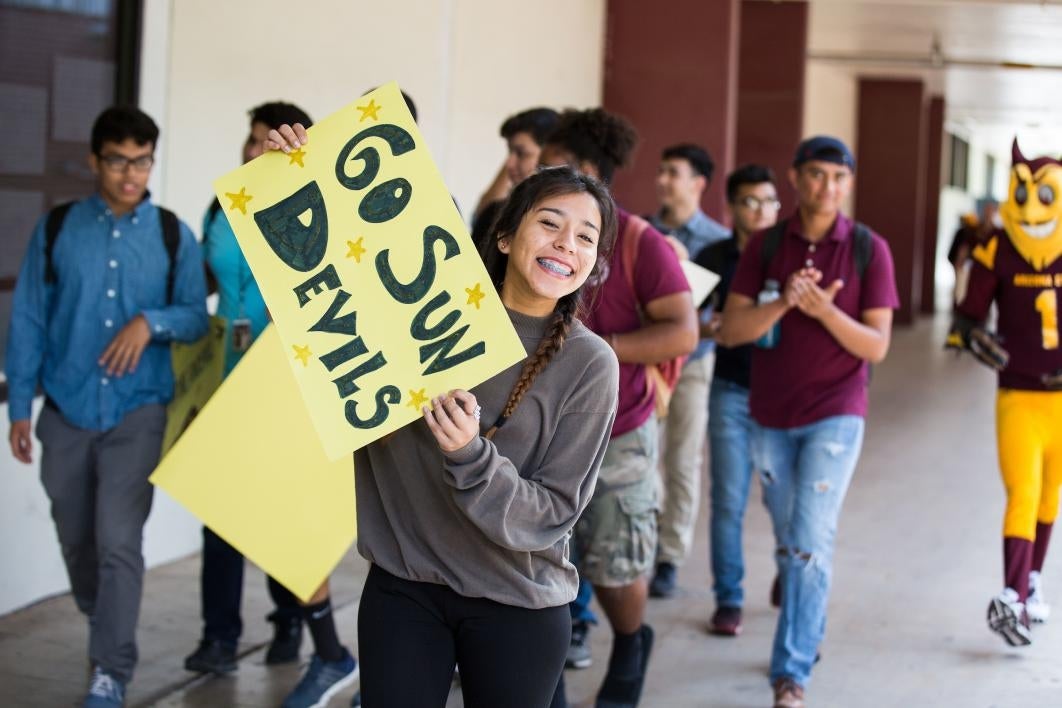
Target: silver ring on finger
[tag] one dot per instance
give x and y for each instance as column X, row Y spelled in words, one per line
column 477, row 411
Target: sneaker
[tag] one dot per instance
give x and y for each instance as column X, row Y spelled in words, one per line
column 776, row 592
column 1035, row 605
column 322, row 680
column 212, row 657
column 626, row 691
column 287, row 639
column 105, row 691
column 726, row 622
column 1008, row 619
column 579, row 650
column 664, row 580
column 788, row 693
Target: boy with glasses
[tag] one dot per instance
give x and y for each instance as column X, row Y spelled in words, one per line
column 753, row 204
column 107, row 284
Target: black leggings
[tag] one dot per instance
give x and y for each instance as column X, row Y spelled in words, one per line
column 411, row 634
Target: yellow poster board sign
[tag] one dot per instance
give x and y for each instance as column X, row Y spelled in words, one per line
column 197, row 372
column 379, row 296
column 250, row 467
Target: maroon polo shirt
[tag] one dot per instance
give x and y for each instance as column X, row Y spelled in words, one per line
column 809, row 376
column 1027, row 299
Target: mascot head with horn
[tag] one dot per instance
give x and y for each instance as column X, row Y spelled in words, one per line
column 1032, row 214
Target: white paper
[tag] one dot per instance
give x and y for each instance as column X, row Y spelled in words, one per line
column 702, row 281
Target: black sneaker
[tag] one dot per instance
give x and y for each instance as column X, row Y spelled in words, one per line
column 287, row 639
column 579, row 650
column 212, row 657
column 626, row 691
column 664, row 580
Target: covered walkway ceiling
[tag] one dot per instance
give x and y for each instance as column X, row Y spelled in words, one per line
column 997, row 62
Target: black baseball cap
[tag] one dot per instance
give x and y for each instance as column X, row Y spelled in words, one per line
column 825, row 148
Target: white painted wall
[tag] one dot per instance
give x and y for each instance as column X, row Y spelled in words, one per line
column 468, row 65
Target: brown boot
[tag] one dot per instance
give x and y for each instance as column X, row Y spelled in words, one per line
column 788, row 693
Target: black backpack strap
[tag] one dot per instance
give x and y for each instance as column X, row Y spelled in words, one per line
column 212, row 210
column 171, row 238
column 772, row 240
column 52, row 226
column 863, row 248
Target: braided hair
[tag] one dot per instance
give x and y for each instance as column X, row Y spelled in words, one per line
column 545, row 184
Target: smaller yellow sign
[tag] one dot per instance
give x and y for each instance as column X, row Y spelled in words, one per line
column 197, row 372
column 251, row 467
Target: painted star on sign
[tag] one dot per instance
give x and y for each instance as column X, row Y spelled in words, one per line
column 356, row 250
column 369, row 111
column 296, row 156
column 475, row 295
column 417, row 399
column 239, row 201
column 302, row 353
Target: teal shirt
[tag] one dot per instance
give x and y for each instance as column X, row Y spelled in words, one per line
column 239, row 296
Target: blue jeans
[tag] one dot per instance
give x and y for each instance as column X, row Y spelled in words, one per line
column 805, row 474
column 730, row 441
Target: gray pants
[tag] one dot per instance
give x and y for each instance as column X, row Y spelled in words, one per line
column 97, row 483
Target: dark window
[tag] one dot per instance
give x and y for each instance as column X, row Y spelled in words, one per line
column 61, row 63
column 960, row 161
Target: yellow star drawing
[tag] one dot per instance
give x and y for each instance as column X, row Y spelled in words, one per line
column 239, row 201
column 475, row 295
column 295, row 157
column 417, row 399
column 356, row 250
column 302, row 353
column 369, row 111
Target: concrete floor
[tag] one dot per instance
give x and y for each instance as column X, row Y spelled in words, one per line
column 917, row 559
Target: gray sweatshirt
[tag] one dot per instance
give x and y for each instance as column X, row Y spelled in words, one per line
column 493, row 519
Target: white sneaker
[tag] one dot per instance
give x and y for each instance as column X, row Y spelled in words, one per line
column 1007, row 618
column 1036, row 604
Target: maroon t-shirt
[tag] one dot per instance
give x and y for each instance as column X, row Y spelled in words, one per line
column 809, row 376
column 1028, row 310
column 657, row 273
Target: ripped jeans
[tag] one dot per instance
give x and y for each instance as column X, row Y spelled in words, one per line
column 804, row 473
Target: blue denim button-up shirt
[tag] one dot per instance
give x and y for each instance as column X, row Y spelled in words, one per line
column 696, row 234
column 108, row 271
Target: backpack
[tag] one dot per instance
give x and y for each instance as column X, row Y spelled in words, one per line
column 663, row 375
column 862, row 250
column 171, row 239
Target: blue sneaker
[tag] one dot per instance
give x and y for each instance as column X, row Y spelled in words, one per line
column 105, row 691
column 322, row 680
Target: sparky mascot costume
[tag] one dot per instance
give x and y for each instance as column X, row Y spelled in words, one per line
column 1021, row 271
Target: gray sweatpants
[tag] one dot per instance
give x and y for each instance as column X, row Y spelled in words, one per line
column 97, row 483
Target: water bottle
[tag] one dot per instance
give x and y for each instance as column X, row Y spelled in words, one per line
column 771, row 292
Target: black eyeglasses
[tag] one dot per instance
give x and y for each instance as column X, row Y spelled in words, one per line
column 119, row 163
column 755, row 204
